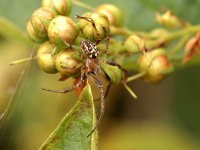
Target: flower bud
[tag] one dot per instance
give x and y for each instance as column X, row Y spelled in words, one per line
column 114, row 14
column 169, row 20
column 68, row 63
column 58, row 7
column 134, row 44
column 160, row 66
column 98, row 32
column 45, row 59
column 38, row 24
column 192, row 48
column 62, row 29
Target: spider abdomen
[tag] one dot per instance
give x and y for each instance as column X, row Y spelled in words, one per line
column 89, row 49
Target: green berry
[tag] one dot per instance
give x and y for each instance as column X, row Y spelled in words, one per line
column 38, row 24
column 159, row 67
column 68, row 63
column 45, row 59
column 114, row 14
column 102, row 26
column 58, row 7
column 62, row 29
column 134, row 44
column 169, row 20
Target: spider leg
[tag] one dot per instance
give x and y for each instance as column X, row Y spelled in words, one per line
column 83, row 77
column 106, row 92
column 70, row 46
column 107, row 38
column 112, row 63
column 108, row 89
column 108, row 86
column 100, row 86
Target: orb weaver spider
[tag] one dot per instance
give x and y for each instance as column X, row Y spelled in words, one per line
column 89, row 68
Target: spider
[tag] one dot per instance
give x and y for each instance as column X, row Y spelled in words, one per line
column 90, row 68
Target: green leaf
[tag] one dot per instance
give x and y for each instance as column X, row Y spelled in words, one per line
column 113, row 72
column 72, row 132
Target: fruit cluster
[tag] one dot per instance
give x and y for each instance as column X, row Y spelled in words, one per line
column 58, row 34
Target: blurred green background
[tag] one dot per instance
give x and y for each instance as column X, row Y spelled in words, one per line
column 165, row 117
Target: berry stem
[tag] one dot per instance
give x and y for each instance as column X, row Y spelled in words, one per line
column 185, row 31
column 130, row 91
column 135, row 77
column 121, row 31
column 83, row 5
column 22, row 60
column 179, row 45
column 126, row 32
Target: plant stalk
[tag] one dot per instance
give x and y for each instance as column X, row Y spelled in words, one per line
column 135, row 77
column 22, row 60
column 83, row 5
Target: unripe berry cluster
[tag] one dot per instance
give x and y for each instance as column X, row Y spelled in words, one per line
column 58, row 33
column 60, row 36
